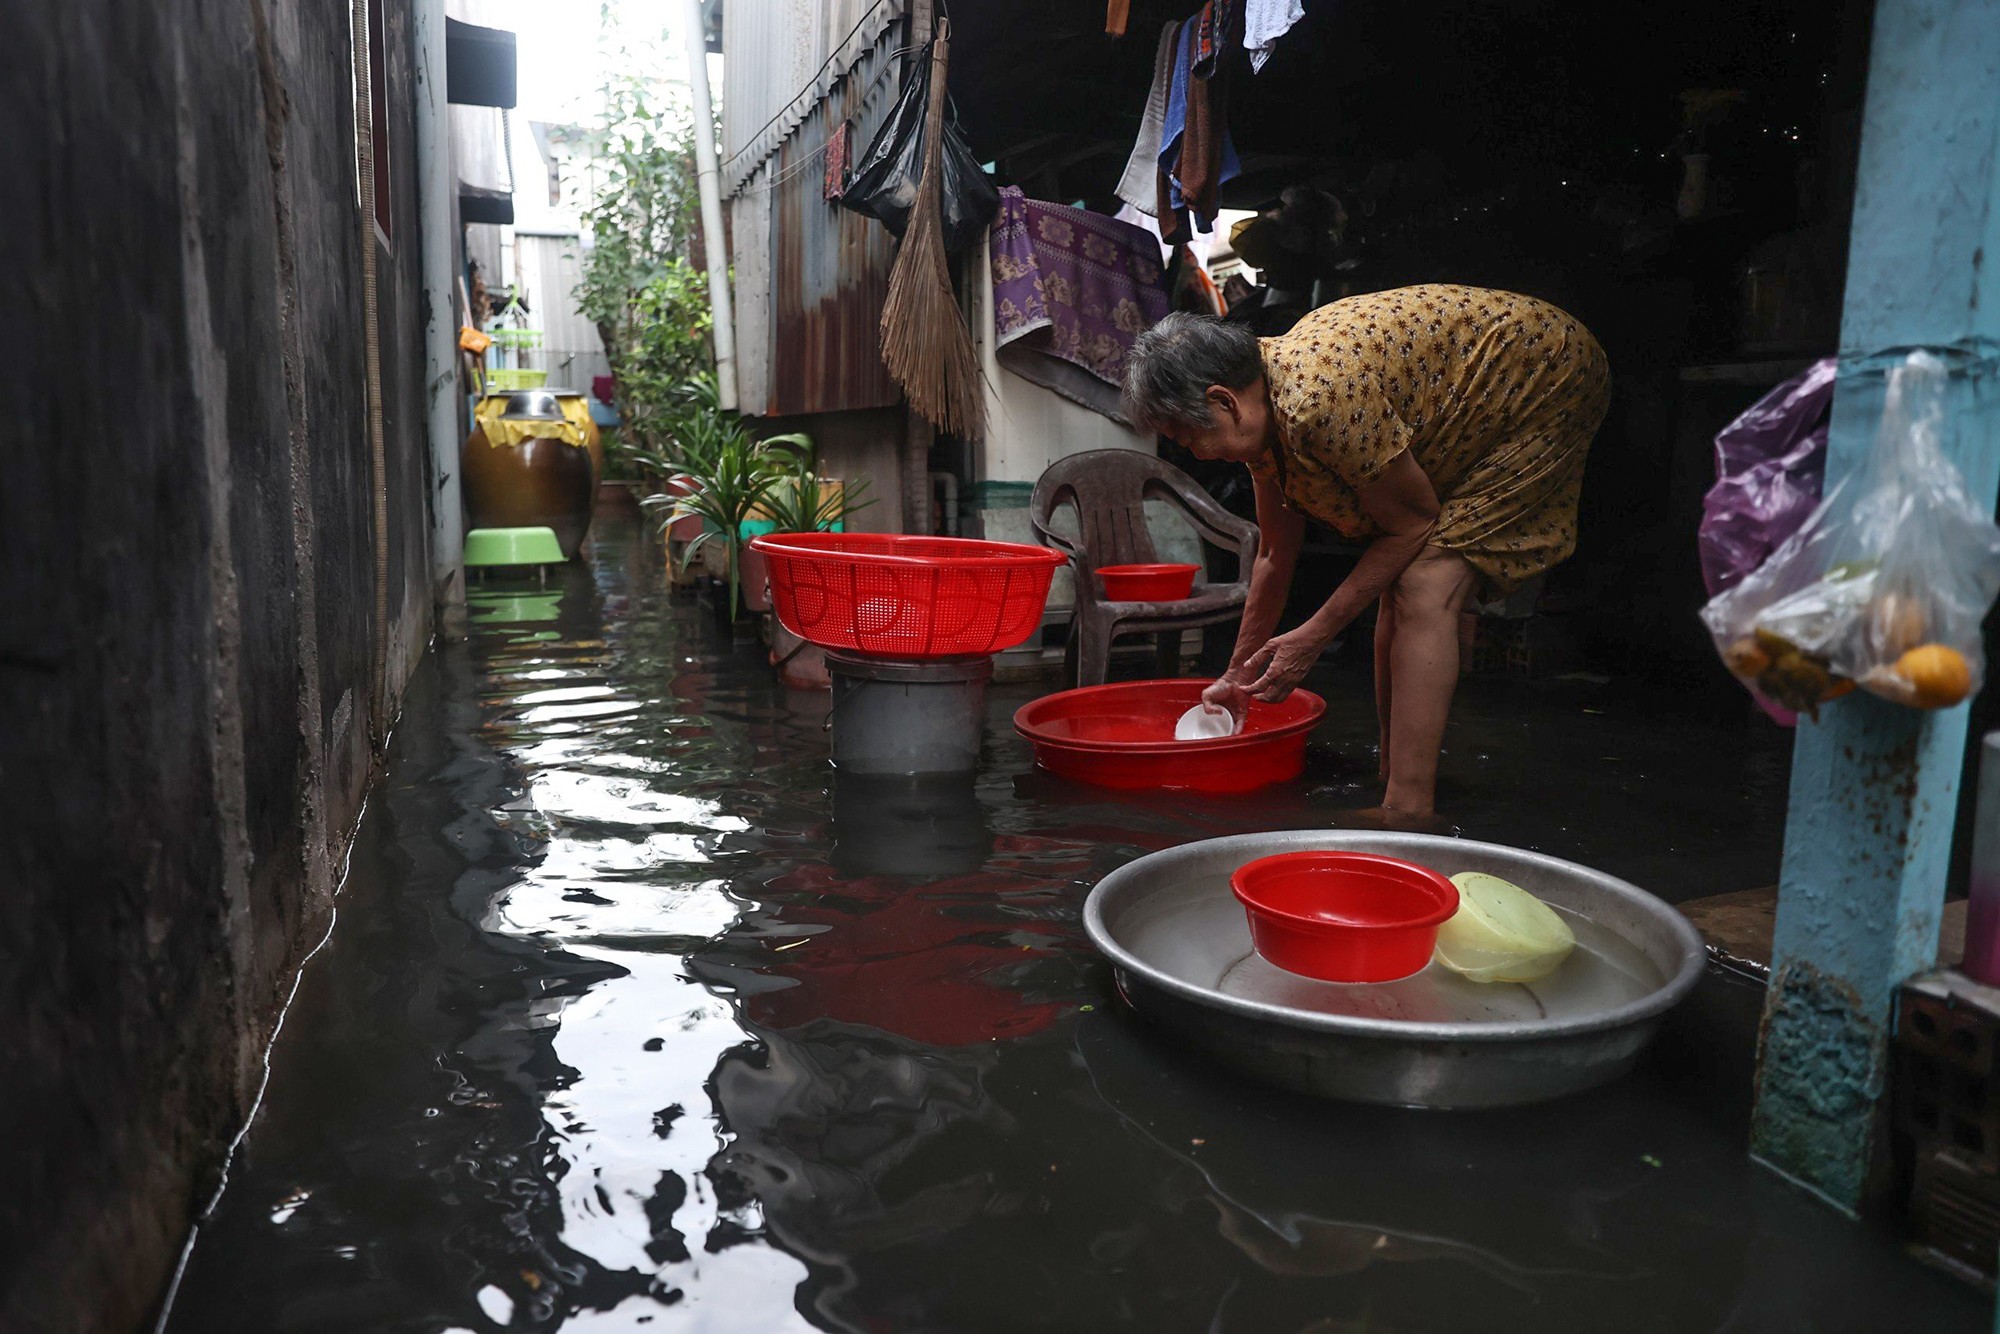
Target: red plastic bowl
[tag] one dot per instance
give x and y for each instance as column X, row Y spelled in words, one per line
column 1147, row 583
column 1123, row 736
column 1344, row 916
column 907, row 597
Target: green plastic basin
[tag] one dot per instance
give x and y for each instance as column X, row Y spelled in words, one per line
column 512, row 546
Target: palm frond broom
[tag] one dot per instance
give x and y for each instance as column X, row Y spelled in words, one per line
column 925, row 343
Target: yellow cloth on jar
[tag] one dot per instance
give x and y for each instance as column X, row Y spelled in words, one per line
column 574, row 429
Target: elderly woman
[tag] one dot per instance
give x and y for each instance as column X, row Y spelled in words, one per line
column 1446, row 426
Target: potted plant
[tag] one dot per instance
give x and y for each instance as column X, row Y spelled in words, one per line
column 738, row 476
column 799, row 501
column 690, row 430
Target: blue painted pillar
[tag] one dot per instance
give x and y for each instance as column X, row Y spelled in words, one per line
column 1875, row 786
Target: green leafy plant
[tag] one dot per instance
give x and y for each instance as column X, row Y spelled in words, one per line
column 737, row 481
column 800, row 502
column 643, row 282
column 688, row 430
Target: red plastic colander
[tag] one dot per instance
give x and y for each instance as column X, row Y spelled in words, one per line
column 907, row 597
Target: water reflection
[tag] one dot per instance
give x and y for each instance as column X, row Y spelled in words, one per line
column 637, row 1017
column 922, row 827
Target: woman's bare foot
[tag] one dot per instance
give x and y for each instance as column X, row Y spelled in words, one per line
column 1397, row 821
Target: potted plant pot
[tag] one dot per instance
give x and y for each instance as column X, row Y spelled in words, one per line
column 686, row 529
column 617, row 496
column 756, row 580
column 801, row 666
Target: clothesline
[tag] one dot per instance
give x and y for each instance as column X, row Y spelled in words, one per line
column 819, row 85
column 1264, row 22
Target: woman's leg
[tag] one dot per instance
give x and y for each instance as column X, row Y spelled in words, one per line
column 1385, row 635
column 1423, row 672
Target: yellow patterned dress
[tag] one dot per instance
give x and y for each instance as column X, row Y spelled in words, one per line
column 1496, row 396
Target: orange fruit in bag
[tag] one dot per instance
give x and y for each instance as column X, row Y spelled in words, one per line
column 1747, row 659
column 1938, row 675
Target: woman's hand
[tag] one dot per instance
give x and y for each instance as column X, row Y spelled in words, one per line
column 1277, row 668
column 1228, row 696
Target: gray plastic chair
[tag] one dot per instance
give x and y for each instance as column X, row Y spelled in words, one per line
column 1108, row 488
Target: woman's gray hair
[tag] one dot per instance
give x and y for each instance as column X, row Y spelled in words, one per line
column 1171, row 365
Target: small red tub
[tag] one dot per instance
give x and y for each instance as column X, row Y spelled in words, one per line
column 1122, row 736
column 1147, row 583
column 1344, row 916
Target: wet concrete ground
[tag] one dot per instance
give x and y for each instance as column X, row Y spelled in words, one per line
column 632, row 1019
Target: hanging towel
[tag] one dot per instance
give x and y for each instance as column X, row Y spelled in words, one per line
column 1195, row 144
column 1071, row 291
column 1138, row 186
column 1205, row 151
column 1264, row 22
column 1116, row 13
column 1212, row 30
column 839, row 147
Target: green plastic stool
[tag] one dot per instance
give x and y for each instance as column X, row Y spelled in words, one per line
column 488, row 547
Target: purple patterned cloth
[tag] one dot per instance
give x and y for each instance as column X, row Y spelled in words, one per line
column 1072, row 285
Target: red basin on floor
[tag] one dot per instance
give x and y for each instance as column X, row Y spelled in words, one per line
column 1123, row 736
column 1344, row 916
column 1147, row 583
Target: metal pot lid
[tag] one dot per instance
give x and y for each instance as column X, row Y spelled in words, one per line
column 532, row 405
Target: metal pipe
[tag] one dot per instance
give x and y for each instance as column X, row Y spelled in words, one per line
column 435, row 180
column 713, row 239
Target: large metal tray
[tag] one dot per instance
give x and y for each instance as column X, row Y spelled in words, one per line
column 1181, row 948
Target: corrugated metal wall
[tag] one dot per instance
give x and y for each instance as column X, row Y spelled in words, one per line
column 551, row 268
column 781, row 57
column 810, row 276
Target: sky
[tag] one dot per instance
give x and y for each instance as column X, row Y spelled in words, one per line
column 563, row 52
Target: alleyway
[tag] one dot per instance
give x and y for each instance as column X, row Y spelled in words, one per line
column 630, row 1020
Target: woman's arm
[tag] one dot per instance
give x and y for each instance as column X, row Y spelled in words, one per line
column 1280, row 533
column 1403, row 505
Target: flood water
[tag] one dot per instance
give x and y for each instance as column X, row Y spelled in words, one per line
column 633, row 1019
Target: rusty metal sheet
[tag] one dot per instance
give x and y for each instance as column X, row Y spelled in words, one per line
column 828, row 266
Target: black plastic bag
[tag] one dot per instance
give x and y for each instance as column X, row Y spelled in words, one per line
column 884, row 183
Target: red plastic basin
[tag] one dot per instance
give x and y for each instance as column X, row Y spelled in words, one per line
column 1122, row 736
column 907, row 597
column 1147, row 583
column 1344, row 916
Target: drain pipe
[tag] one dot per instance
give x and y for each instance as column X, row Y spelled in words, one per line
column 708, row 183
column 441, row 398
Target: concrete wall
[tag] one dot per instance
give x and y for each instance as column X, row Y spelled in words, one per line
column 861, row 445
column 188, row 562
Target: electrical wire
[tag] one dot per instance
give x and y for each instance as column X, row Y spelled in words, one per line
column 811, row 83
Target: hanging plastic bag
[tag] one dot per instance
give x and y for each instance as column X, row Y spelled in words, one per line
column 884, row 183
column 1769, row 463
column 1884, row 586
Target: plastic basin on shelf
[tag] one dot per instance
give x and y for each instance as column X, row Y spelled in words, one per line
column 1147, row 583
column 907, row 597
column 1344, row 916
column 1122, row 736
